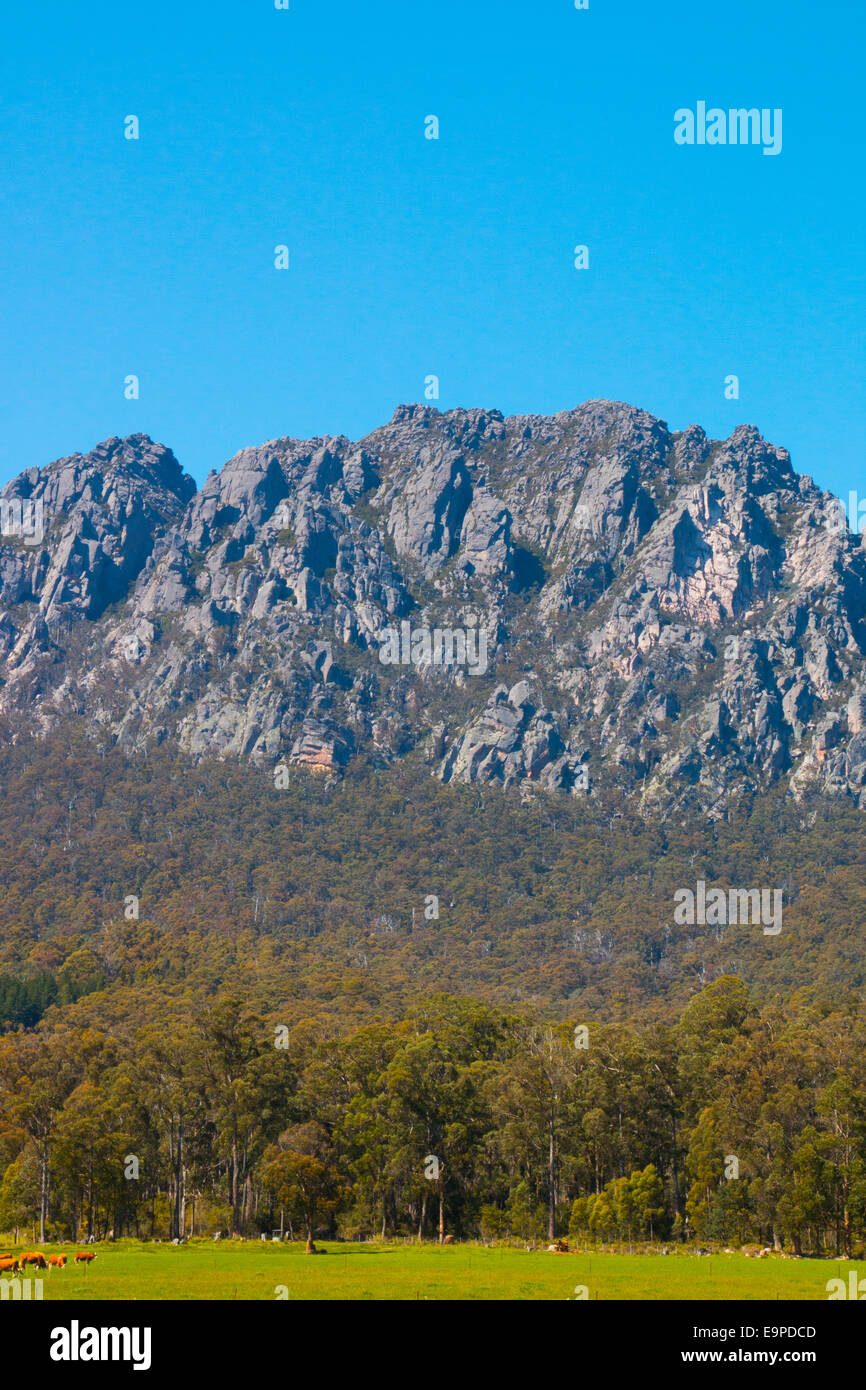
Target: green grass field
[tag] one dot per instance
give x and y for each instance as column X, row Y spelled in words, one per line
column 205, row 1270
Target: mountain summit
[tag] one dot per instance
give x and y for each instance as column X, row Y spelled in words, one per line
column 660, row 614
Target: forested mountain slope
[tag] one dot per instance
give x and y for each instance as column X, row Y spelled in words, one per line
column 318, row 898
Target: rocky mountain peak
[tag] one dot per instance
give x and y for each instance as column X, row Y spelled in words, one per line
column 559, row 602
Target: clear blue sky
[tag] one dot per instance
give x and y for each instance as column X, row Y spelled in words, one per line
column 411, row 256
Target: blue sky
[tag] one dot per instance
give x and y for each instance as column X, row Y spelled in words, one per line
column 412, row 257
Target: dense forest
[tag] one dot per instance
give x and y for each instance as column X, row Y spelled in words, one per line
column 314, row 896
column 734, row 1124
column 233, row 1001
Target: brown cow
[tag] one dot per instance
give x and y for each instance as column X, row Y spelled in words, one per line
column 32, row 1257
column 84, row 1256
column 57, row 1261
column 10, row 1265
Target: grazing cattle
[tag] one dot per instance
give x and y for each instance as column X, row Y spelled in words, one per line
column 32, row 1257
column 10, row 1265
column 57, row 1261
column 84, row 1257
column 448, row 1240
column 559, row 1247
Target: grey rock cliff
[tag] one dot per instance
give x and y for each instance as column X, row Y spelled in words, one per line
column 663, row 614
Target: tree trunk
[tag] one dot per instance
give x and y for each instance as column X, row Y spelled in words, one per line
column 43, row 1194
column 441, row 1213
column 235, row 1194
column 676, row 1175
column 422, row 1217
column 177, row 1217
column 551, row 1177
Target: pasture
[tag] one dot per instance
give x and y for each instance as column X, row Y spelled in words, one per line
column 127, row 1270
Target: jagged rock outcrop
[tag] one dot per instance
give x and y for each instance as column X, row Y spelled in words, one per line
column 571, row 602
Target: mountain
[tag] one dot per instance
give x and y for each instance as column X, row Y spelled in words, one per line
column 648, row 613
